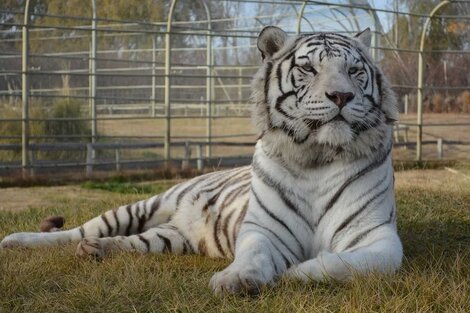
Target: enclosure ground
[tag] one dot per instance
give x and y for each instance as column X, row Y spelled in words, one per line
column 434, row 224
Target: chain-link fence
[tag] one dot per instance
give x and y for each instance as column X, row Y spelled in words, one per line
column 106, row 85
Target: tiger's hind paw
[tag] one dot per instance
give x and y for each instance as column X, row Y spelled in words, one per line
column 9, row 244
column 16, row 240
column 90, row 247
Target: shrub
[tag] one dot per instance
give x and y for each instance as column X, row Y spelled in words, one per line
column 464, row 101
column 65, row 130
column 14, row 128
column 449, row 105
column 68, row 129
column 67, row 109
column 437, row 103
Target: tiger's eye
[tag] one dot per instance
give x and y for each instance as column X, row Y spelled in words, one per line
column 309, row 68
column 353, row 70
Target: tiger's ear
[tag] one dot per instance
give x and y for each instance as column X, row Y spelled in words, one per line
column 270, row 40
column 365, row 37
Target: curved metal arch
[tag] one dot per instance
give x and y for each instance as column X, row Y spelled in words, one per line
column 92, row 74
column 209, row 80
column 167, row 95
column 25, row 90
column 419, row 135
column 300, row 17
column 377, row 24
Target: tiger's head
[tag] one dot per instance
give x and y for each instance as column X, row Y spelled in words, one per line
column 321, row 93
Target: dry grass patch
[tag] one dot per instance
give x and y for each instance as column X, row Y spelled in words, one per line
column 434, row 223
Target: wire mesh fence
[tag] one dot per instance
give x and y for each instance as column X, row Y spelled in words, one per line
column 113, row 85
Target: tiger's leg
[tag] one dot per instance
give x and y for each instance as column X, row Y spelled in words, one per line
column 383, row 254
column 124, row 221
column 257, row 263
column 162, row 239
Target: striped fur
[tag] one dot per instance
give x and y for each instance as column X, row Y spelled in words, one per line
column 317, row 201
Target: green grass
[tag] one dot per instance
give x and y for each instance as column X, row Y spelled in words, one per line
column 434, row 224
column 123, row 185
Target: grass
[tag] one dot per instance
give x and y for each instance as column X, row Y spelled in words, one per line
column 434, row 224
column 121, row 184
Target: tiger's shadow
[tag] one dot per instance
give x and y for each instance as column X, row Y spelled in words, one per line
column 434, row 241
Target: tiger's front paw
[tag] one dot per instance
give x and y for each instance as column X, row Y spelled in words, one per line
column 248, row 281
column 90, row 247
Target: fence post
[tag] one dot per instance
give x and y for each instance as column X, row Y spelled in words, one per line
column 440, row 151
column 240, row 83
column 25, row 93
column 187, row 156
column 396, row 132
column 406, row 136
column 406, row 104
column 167, row 147
column 32, row 172
column 89, row 160
column 117, row 155
column 200, row 160
column 92, row 75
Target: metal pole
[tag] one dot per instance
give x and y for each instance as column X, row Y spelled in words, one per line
column 168, row 83
column 373, row 46
column 419, row 122
column 25, row 93
column 200, row 160
column 92, row 77
column 375, row 36
column 300, row 16
column 154, row 73
column 440, row 150
column 445, row 78
column 395, row 6
column 209, row 81
column 406, row 104
column 240, row 83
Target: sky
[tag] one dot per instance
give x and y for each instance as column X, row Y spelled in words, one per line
column 326, row 18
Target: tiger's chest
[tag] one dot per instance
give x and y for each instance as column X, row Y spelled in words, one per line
column 322, row 206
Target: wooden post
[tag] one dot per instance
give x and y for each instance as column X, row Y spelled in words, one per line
column 89, row 160
column 117, row 154
column 440, row 151
column 200, row 160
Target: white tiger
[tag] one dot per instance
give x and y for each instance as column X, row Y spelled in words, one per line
column 317, row 201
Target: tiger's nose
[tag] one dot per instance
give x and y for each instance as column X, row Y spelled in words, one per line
column 340, row 98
